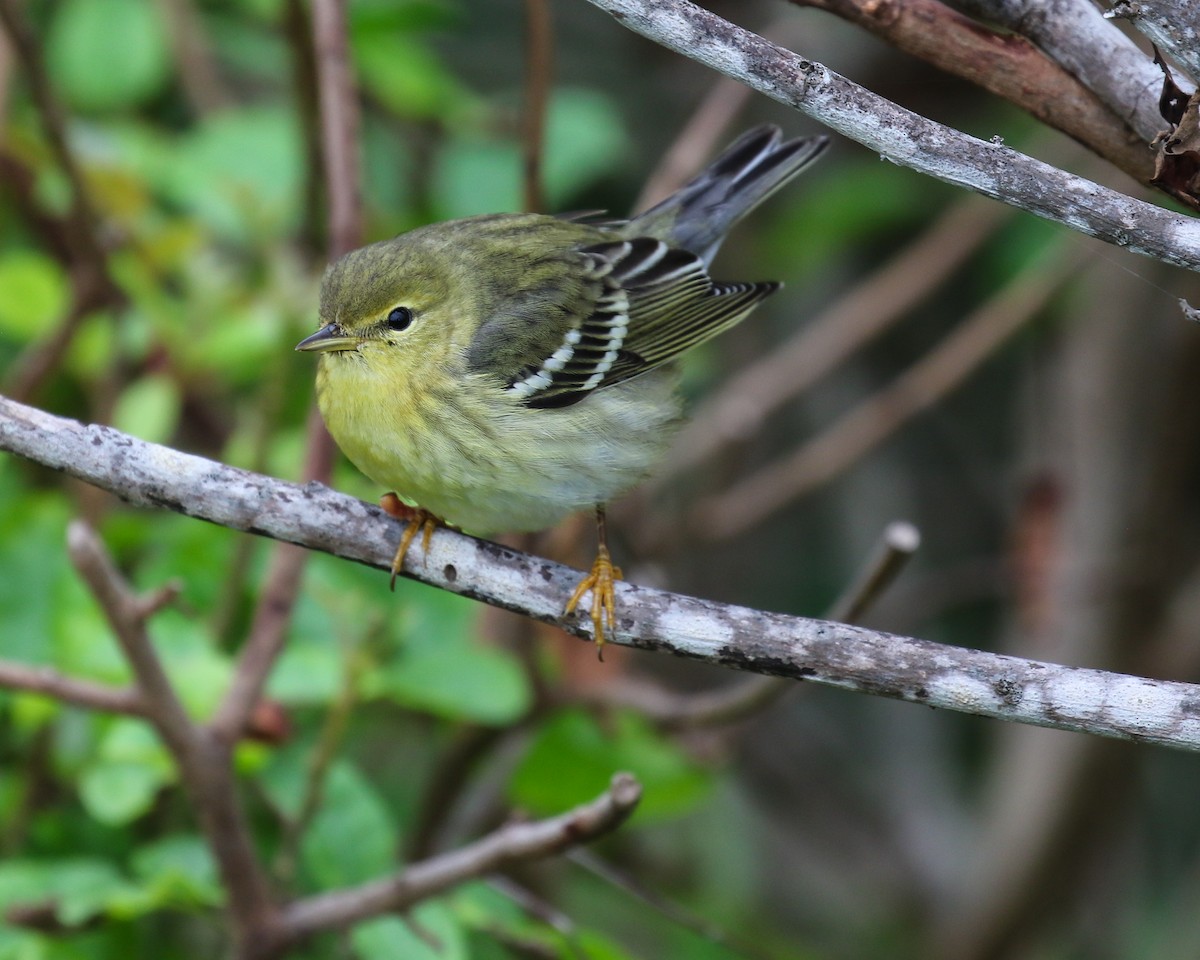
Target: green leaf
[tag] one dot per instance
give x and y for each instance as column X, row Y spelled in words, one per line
column 79, row 886
column 428, row 932
column 35, row 295
column 352, row 838
column 406, row 76
column 477, row 176
column 481, row 684
column 149, row 408
column 585, row 140
column 240, row 171
column 107, row 54
column 131, row 766
column 443, row 669
column 176, row 871
column 572, row 759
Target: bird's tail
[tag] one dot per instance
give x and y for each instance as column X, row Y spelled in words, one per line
column 699, row 214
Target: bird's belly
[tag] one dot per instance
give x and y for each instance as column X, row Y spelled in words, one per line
column 488, row 467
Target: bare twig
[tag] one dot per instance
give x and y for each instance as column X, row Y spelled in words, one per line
column 908, row 138
column 864, row 313
column 674, row 912
column 78, row 237
column 323, row 753
column 1172, row 24
column 1007, row 65
column 204, row 762
column 539, row 66
column 86, row 240
column 539, row 909
column 80, row 693
column 510, row 844
column 124, row 612
column 898, row 544
column 696, row 141
column 819, row 460
column 198, row 73
column 971, row 681
column 339, row 128
column 1075, row 34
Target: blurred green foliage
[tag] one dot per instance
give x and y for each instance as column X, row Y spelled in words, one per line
column 212, row 211
column 193, row 124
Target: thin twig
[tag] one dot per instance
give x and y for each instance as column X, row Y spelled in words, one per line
column 124, row 612
column 539, row 68
column 896, row 546
column 1005, row 64
column 79, row 693
column 78, row 239
column 695, row 142
column 198, row 74
column 205, row 763
column 323, row 753
column 909, row 139
column 539, row 909
column 337, row 95
column 517, row 842
column 736, row 412
column 936, row 675
column 1079, row 38
column 674, row 912
column 86, row 239
column 339, row 128
column 827, row 455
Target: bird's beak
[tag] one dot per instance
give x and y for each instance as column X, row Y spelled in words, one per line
column 328, row 339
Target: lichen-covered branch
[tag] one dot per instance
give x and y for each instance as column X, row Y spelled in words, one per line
column 909, row 139
column 511, row 843
column 867, row 661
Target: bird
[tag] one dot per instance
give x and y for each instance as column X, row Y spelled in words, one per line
column 499, row 372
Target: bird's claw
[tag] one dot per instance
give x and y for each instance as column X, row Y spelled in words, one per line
column 602, row 584
column 418, row 520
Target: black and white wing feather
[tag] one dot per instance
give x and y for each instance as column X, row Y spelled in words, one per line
column 643, row 303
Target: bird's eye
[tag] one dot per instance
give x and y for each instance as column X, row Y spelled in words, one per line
column 400, row 318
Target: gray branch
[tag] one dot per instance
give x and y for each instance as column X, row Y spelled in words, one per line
column 908, row 138
column 1076, row 35
column 866, row 661
column 1172, row 24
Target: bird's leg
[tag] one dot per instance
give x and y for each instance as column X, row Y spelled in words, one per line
column 601, row 582
column 418, row 520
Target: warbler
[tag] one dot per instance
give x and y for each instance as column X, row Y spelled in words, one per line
column 501, row 371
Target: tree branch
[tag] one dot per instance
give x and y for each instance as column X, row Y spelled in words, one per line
column 970, row 681
column 80, row 693
column 515, row 842
column 339, row 122
column 1076, row 35
column 751, row 500
column 908, row 138
column 1172, row 24
column 1009, row 66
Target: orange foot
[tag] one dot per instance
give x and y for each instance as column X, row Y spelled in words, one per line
column 419, row 521
column 601, row 582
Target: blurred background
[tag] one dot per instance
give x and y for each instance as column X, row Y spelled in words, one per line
column 1023, row 395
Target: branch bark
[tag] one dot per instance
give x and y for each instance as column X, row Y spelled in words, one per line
column 908, row 138
column 1008, row 65
column 867, row 661
column 517, row 841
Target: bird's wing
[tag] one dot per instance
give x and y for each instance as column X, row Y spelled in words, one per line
column 640, row 304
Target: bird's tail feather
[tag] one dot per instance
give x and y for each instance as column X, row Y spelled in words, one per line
column 699, row 215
